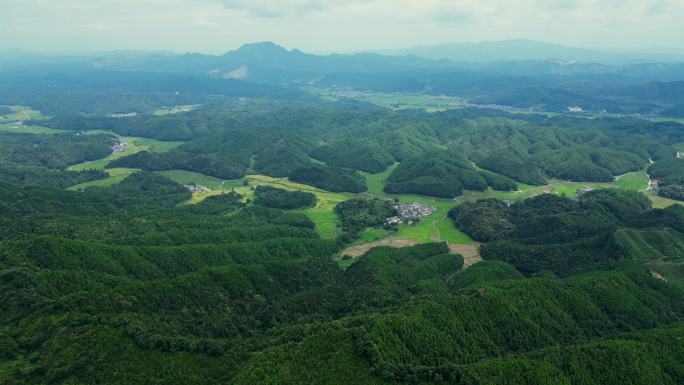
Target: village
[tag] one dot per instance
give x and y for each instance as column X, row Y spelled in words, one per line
column 196, row 188
column 120, row 145
column 410, row 213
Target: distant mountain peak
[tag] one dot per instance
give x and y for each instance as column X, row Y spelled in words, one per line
column 264, row 46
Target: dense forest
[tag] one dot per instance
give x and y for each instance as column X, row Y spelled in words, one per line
column 27, row 159
column 317, row 144
column 246, row 297
column 669, row 173
column 283, row 199
column 568, row 235
column 144, row 279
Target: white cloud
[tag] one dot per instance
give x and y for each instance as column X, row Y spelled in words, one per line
column 332, row 25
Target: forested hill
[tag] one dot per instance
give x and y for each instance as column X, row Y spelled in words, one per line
column 141, row 290
column 325, row 147
column 249, row 226
column 547, row 84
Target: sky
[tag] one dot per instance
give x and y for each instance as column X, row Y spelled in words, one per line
column 324, row 26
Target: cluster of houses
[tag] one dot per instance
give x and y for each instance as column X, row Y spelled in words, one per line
column 120, row 144
column 196, row 188
column 123, row 115
column 409, row 213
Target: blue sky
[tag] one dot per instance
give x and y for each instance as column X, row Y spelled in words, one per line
column 333, row 25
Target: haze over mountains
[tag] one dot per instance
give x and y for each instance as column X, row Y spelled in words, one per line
column 536, row 76
column 524, row 49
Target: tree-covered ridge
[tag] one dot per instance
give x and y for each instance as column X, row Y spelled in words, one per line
column 283, row 199
column 281, row 142
column 566, row 235
column 356, row 214
column 443, row 174
column 243, row 293
column 354, row 154
column 43, row 160
column 669, row 174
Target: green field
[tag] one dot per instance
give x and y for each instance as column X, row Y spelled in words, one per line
column 637, row 181
column 376, row 182
column 426, row 102
column 217, row 186
column 323, row 214
column 20, row 114
column 116, row 175
column 437, row 226
column 134, row 145
column 26, row 129
column 13, row 122
column 678, row 120
column 189, row 177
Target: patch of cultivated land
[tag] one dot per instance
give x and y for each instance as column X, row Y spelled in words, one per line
column 660, row 202
column 359, row 250
column 14, row 121
column 436, row 227
column 25, row 129
column 116, row 175
column 134, row 145
column 189, row 177
column 636, row 181
column 376, row 182
column 20, row 114
column 322, row 214
column 470, row 253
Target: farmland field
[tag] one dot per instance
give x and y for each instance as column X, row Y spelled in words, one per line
column 636, row 181
column 322, row 214
column 421, row 101
column 133, row 146
column 116, row 175
column 376, row 182
column 20, row 114
column 29, row 129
